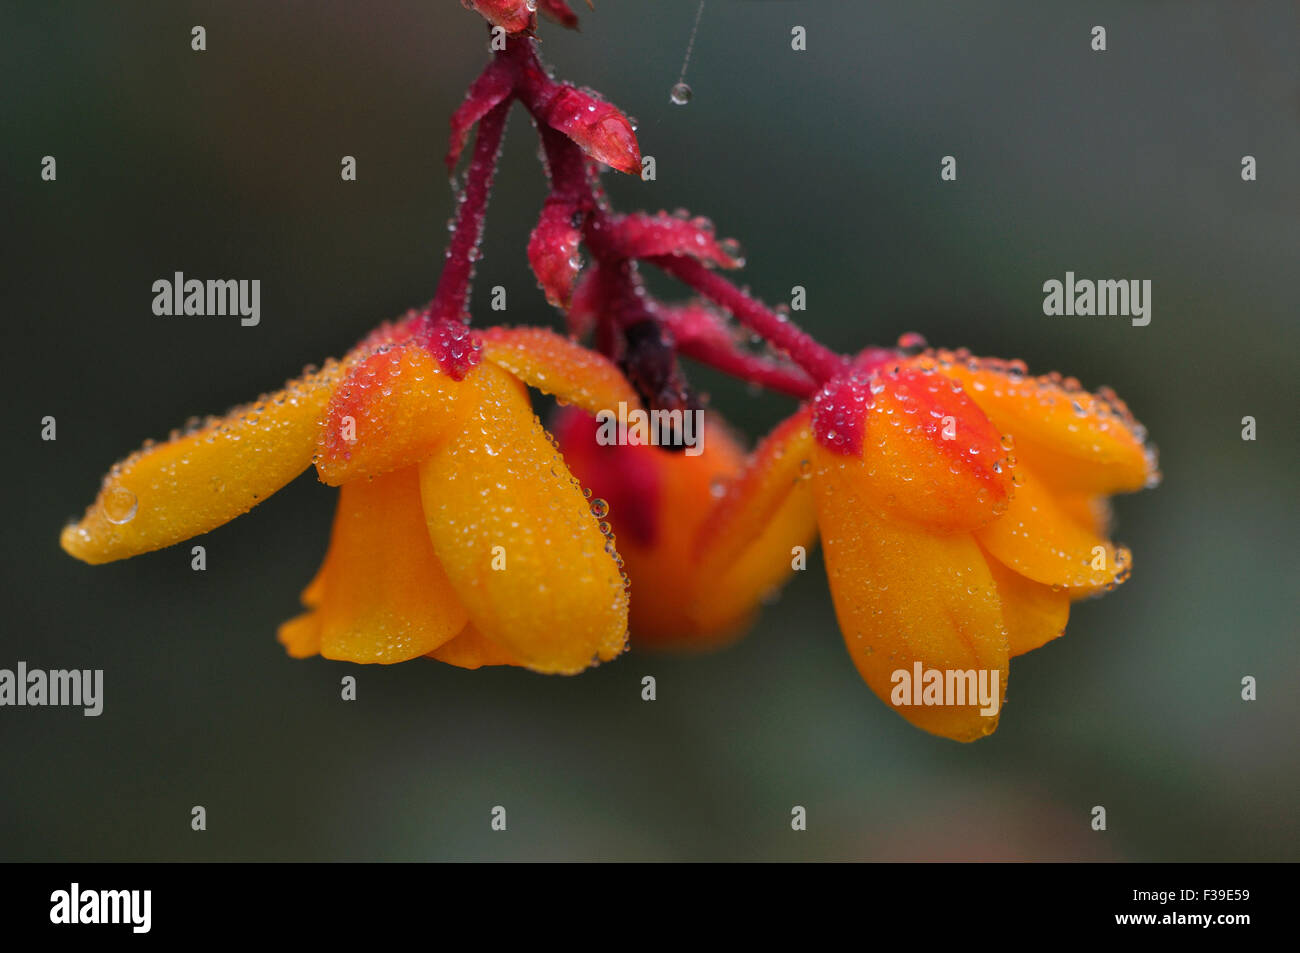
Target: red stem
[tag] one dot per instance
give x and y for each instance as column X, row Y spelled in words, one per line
column 451, row 300
column 750, row 367
column 571, row 179
column 820, row 362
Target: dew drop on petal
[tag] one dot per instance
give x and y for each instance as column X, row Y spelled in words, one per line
column 120, row 505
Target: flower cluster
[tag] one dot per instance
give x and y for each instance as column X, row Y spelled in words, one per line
column 961, row 503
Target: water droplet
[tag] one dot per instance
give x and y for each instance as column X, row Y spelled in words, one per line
column 912, row 341
column 120, row 505
column 599, row 508
column 680, row 94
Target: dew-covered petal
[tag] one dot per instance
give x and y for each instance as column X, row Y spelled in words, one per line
column 205, row 477
column 1034, row 613
column 560, row 367
column 1077, row 441
column 922, row 449
column 499, row 494
column 1038, row 539
column 394, row 407
column 385, row 597
column 905, row 594
column 471, row 650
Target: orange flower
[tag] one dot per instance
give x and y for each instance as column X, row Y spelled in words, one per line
column 689, row 527
column 962, row 508
column 460, row 532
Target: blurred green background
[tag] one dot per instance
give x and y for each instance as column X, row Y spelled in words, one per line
column 825, row 165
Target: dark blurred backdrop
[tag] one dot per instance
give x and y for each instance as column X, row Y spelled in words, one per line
column 825, row 164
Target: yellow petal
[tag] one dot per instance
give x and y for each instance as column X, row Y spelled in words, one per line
column 1034, row 614
column 385, row 597
column 904, row 594
column 499, row 494
column 200, row 480
column 1038, row 539
column 558, row 366
column 471, row 650
column 394, row 407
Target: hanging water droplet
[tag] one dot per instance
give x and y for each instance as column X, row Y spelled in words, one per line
column 120, row 505
column 599, row 508
column 680, row 94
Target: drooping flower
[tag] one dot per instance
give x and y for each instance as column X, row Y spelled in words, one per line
column 962, row 508
column 460, row 532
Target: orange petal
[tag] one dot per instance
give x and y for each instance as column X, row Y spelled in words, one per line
column 394, row 407
column 314, row 593
column 745, row 545
column 300, row 636
column 195, row 482
column 1079, row 442
column 1038, row 539
column 658, row 501
column 927, row 451
column 471, row 650
column 1093, row 513
column 725, row 603
column 1034, row 613
column 385, row 596
column 904, row 594
column 499, row 495
column 779, row 465
column 558, row 366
